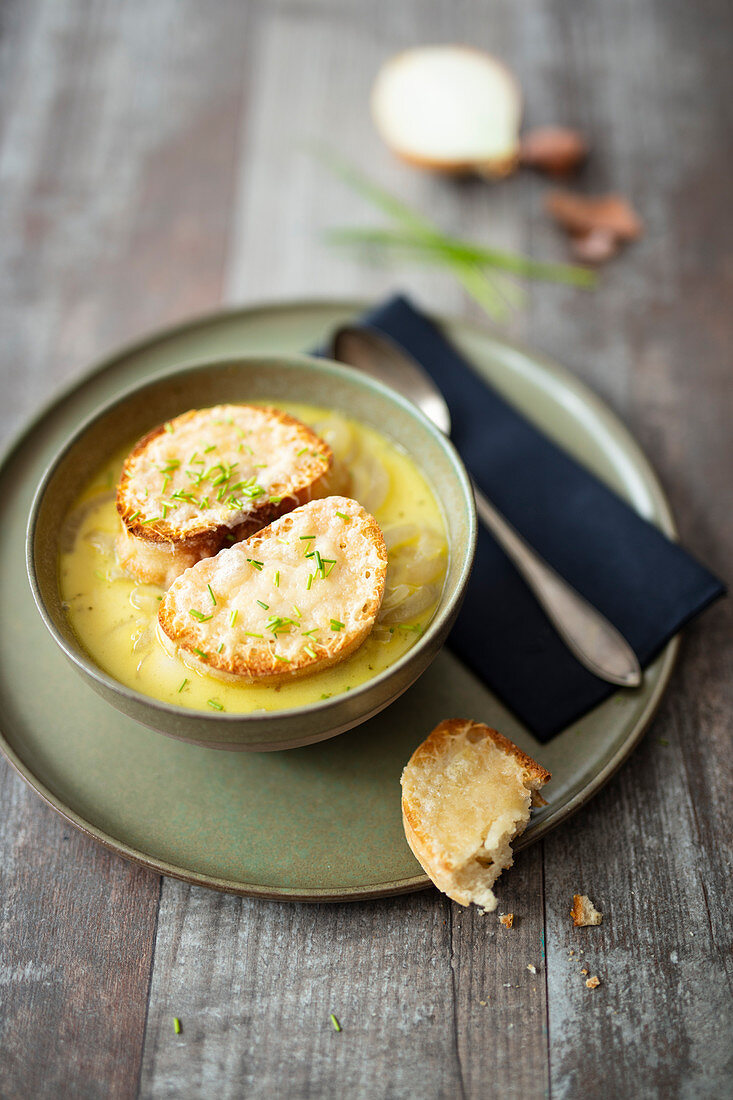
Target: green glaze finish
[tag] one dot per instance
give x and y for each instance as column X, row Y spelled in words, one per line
column 313, row 823
column 276, row 380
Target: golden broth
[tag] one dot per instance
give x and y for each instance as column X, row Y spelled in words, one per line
column 115, row 617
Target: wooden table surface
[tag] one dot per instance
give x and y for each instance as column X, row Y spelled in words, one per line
column 152, row 166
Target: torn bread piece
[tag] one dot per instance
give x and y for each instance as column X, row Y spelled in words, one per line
column 295, row 598
column 584, row 912
column 210, row 477
column 467, row 792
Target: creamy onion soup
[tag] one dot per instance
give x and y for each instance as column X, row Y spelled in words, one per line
column 115, row 617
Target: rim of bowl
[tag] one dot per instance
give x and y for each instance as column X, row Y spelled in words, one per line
column 84, row 663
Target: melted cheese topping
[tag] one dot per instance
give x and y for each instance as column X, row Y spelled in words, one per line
column 214, row 467
column 305, row 591
column 115, row 618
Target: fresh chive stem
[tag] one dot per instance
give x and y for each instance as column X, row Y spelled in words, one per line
column 442, row 245
column 424, row 241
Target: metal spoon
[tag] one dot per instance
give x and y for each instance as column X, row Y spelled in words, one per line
column 588, row 634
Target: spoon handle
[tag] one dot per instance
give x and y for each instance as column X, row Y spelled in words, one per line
column 588, row 634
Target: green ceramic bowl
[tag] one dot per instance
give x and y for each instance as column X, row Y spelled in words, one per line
column 198, row 385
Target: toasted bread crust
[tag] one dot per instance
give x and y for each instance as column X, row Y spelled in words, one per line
column 251, row 651
column 159, row 562
column 438, row 862
column 210, row 528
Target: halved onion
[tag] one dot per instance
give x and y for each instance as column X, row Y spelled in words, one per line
column 451, row 108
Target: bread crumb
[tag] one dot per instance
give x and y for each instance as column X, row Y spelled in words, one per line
column 507, row 919
column 532, row 968
column 584, row 971
column 571, row 952
column 484, row 1003
column 584, row 912
column 593, row 982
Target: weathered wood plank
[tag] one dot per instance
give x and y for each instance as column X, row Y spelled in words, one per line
column 77, row 933
column 115, row 171
column 653, row 850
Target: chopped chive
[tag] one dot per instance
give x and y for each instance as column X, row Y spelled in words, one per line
column 214, row 705
column 255, row 564
column 277, row 579
column 275, row 500
column 310, row 651
column 166, row 482
column 344, row 517
column 233, row 617
column 336, row 1024
column 265, row 605
column 99, row 575
column 285, row 660
column 176, row 1021
column 297, row 611
column 336, row 625
column 200, row 617
column 181, row 687
column 302, row 452
column 249, row 634
column 211, row 593
column 202, row 655
column 133, row 516
column 165, row 511
column 326, row 695
column 168, row 428
column 309, row 582
column 304, row 537
column 319, row 563
column 283, row 541
column 307, row 633
column 153, row 519
column 211, row 447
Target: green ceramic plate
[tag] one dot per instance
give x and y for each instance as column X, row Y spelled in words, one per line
column 317, row 823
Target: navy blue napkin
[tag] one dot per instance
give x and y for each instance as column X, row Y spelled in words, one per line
column 645, row 584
